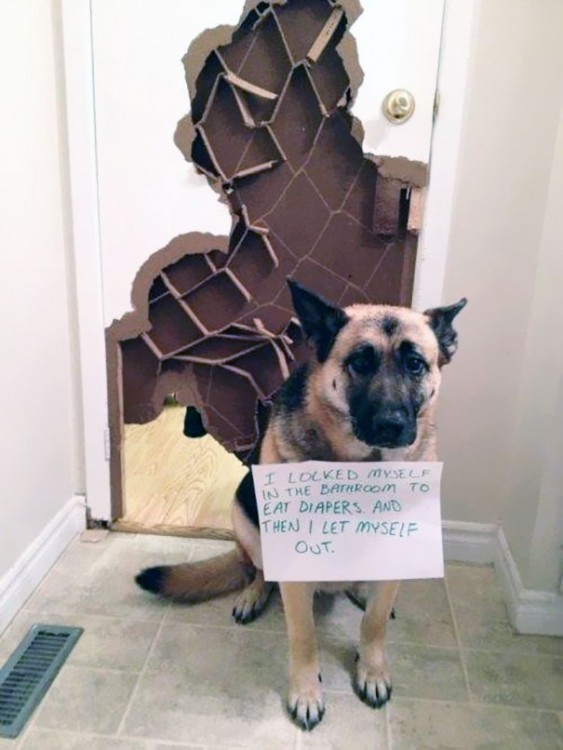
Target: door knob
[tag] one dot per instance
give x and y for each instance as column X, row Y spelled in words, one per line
column 398, row 106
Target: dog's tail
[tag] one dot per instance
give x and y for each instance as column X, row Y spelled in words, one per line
column 196, row 582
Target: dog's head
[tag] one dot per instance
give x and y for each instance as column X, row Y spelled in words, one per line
column 378, row 366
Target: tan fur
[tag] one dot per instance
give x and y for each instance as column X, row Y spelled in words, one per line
column 206, row 579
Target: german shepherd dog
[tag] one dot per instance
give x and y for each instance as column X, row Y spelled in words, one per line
column 368, row 394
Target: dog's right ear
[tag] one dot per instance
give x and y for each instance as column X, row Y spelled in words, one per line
column 441, row 321
column 320, row 319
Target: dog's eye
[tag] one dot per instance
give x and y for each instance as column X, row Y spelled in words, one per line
column 362, row 362
column 414, row 365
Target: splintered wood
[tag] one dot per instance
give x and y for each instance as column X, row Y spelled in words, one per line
column 325, row 36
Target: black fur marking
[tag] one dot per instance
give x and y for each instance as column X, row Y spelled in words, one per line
column 321, row 320
column 409, row 352
column 152, row 579
column 389, row 325
column 408, row 347
column 193, row 424
column 363, row 361
column 246, row 497
column 291, row 396
column 374, row 701
column 383, row 405
column 441, row 320
column 358, row 601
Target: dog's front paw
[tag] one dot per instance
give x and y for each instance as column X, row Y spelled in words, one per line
column 373, row 684
column 251, row 602
column 306, row 704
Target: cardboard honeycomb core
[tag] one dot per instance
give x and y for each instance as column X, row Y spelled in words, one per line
column 270, row 127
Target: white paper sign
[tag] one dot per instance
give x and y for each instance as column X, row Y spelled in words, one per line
column 325, row 521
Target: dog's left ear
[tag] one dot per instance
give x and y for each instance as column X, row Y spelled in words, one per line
column 440, row 319
column 321, row 320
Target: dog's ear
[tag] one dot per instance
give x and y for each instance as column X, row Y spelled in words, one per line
column 321, row 320
column 440, row 319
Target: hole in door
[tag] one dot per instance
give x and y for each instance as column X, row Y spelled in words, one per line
column 212, row 324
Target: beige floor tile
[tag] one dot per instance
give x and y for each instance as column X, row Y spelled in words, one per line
column 87, row 700
column 421, row 672
column 482, row 617
column 348, row 723
column 106, row 642
column 416, row 671
column 337, row 617
column 423, row 615
column 40, row 739
column 98, row 579
column 218, row 612
column 224, row 688
column 214, row 686
column 426, row 725
column 527, row 680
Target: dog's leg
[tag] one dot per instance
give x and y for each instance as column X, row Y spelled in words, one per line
column 252, row 601
column 306, row 704
column 373, row 682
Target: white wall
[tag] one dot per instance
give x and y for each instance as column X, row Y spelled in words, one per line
column 505, row 229
column 533, row 503
column 39, row 425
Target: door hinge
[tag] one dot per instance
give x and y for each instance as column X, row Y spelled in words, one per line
column 107, row 444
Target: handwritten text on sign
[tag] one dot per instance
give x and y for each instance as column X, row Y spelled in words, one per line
column 323, row 521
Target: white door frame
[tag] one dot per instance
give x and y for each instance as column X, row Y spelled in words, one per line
column 81, row 128
column 80, row 105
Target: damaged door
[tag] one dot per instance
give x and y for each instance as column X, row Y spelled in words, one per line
column 294, row 168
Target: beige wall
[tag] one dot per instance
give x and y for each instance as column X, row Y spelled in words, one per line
column 39, row 426
column 502, row 243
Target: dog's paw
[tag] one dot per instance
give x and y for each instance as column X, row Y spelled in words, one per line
column 251, row 603
column 373, row 684
column 306, row 706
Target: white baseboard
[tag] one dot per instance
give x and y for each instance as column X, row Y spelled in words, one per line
column 21, row 580
column 530, row 612
column 469, row 542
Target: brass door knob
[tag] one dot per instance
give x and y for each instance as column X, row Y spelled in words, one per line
column 398, row 106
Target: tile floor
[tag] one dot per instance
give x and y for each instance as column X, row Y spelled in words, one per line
column 149, row 675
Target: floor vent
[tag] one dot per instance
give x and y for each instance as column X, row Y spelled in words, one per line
column 26, row 676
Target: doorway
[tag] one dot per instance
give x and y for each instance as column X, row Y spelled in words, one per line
column 304, row 200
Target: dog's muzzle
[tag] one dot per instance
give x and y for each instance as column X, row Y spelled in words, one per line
column 388, row 428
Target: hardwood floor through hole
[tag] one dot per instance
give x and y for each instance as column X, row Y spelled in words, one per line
column 174, row 483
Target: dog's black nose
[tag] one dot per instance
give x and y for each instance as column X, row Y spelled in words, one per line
column 390, row 427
